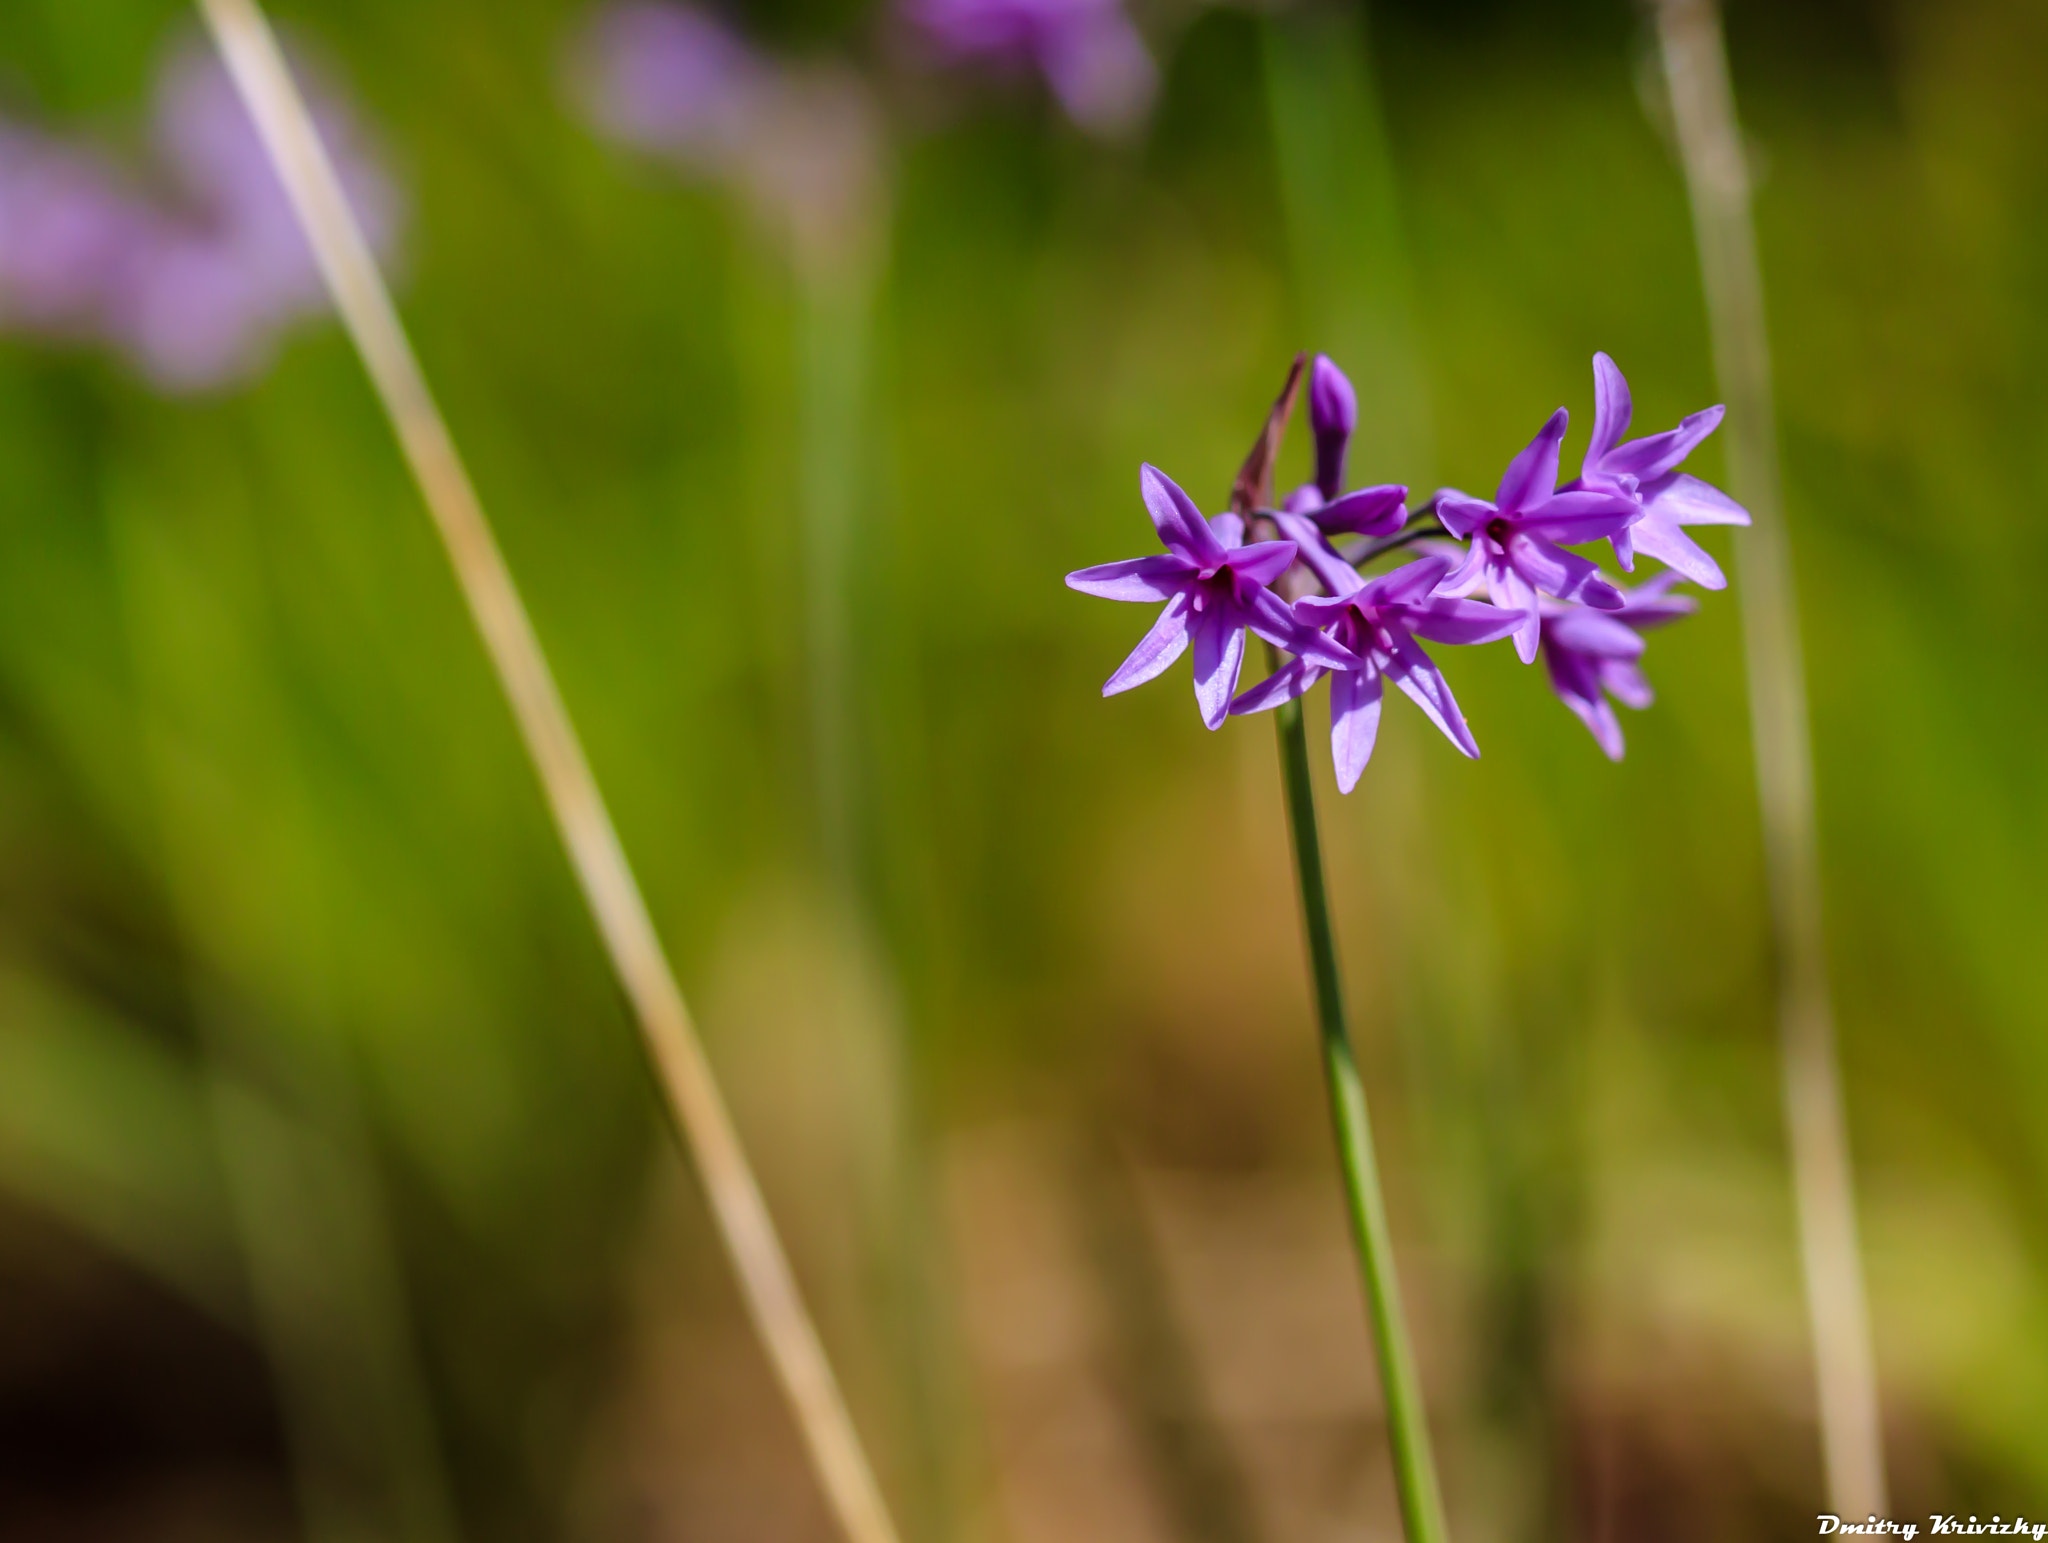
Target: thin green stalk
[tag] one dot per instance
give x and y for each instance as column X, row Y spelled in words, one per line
column 1422, row 1508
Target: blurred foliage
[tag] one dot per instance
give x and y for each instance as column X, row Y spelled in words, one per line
column 299, row 1011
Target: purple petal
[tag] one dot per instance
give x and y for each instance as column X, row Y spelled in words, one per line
column 1158, row 577
column 1416, row 674
column 1155, row 651
column 1584, row 515
column 1655, row 454
column 1228, row 529
column 1651, row 605
column 1611, row 411
column 1306, row 499
column 1267, row 615
column 1689, row 501
column 1595, row 633
column 1219, row 655
column 1511, row 592
column 1531, row 476
column 1375, row 511
column 1551, row 570
column 1656, row 535
column 1577, row 688
column 1332, row 416
column 1337, row 576
column 1285, row 684
column 1410, row 583
column 1261, row 563
column 1626, row 684
column 1354, row 723
column 1469, row 576
column 1462, row 515
column 1178, row 521
column 1461, row 622
column 1623, row 543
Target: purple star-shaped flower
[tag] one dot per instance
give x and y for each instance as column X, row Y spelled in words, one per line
column 1379, row 621
column 1514, row 553
column 1591, row 655
column 1646, row 470
column 1214, row 587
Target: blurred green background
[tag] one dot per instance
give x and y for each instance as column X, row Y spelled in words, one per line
column 335, row 1198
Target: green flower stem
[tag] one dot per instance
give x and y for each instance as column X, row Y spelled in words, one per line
column 1422, row 1509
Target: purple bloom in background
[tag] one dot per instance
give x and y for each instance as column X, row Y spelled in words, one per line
column 1379, row 621
column 1591, row 655
column 194, row 286
column 1514, row 553
column 1088, row 51
column 803, row 143
column 1214, row 587
column 1646, row 470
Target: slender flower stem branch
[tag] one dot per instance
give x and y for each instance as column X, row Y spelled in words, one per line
column 1422, row 1512
column 1423, row 526
column 766, row 1282
column 1717, row 175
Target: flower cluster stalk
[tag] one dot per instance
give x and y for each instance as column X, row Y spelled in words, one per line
column 1422, row 1511
column 766, row 1282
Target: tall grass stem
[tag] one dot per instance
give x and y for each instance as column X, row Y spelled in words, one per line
column 1422, row 1509
column 767, row 1284
column 1702, row 101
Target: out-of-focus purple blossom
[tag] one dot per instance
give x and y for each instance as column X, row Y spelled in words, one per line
column 1379, row 621
column 803, row 144
column 1088, row 51
column 1514, row 553
column 194, row 281
column 1646, row 470
column 1214, row 587
column 1591, row 655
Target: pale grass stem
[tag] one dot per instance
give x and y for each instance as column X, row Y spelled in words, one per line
column 765, row 1279
column 1710, row 144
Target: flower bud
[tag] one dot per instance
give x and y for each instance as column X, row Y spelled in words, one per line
column 1332, row 414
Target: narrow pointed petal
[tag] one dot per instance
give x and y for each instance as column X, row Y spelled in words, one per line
column 1159, row 577
column 1409, row 584
column 1577, row 688
column 1531, row 477
column 1314, row 550
column 1227, row 529
column 1689, row 501
column 1656, row 454
column 1656, row 535
column 1354, row 724
column 1461, row 622
column 1462, row 515
column 1612, row 410
column 1175, row 517
column 1511, row 592
column 1651, row 604
column 1469, row 577
column 1218, row 656
column 1267, row 615
column 1600, row 634
column 1377, row 511
column 1626, row 684
column 1283, row 685
column 1165, row 643
column 1306, row 499
column 1551, row 570
column 1623, row 542
column 1417, row 675
column 1585, row 515
column 1262, row 562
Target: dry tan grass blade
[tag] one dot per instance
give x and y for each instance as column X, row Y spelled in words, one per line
column 1717, row 173
column 260, row 74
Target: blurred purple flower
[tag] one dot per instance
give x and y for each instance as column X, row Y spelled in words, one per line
column 1514, row 553
column 196, row 285
column 1645, row 470
column 1214, row 587
column 803, row 144
column 1088, row 51
column 1379, row 621
column 1591, row 655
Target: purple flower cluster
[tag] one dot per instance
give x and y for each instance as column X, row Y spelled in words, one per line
column 1088, row 51
column 1361, row 632
column 195, row 278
